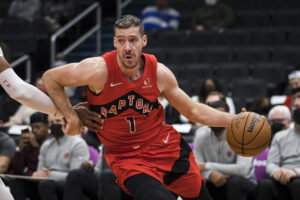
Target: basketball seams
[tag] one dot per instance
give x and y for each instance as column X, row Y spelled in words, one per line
column 243, row 136
column 233, row 134
column 262, row 126
column 230, row 144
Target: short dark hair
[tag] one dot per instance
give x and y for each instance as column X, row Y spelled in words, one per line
column 219, row 104
column 39, row 117
column 127, row 21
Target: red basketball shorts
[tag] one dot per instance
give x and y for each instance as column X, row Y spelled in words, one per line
column 167, row 157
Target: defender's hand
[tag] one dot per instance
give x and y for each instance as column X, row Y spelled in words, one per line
column 90, row 119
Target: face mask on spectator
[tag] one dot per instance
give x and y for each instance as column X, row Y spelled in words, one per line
column 276, row 127
column 297, row 115
column 295, row 90
column 217, row 129
column 56, row 130
column 211, row 2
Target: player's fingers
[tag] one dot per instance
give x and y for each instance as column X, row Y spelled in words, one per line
column 94, row 116
column 244, row 110
column 92, row 125
column 85, row 104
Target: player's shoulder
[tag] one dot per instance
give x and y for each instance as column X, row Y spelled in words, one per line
column 95, row 64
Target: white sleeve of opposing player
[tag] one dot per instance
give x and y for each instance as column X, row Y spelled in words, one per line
column 4, row 192
column 26, row 94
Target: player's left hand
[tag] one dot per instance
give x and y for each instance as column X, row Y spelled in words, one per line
column 90, row 119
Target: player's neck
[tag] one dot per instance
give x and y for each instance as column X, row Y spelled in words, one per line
column 133, row 74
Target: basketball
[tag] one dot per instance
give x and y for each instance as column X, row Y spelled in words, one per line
column 248, row 134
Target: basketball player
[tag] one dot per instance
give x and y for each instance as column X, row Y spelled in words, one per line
column 32, row 97
column 149, row 158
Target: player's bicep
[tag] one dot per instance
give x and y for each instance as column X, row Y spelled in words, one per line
column 168, row 86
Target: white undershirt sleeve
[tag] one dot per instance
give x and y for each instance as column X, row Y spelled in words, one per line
column 27, row 94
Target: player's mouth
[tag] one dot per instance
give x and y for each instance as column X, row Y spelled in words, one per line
column 129, row 57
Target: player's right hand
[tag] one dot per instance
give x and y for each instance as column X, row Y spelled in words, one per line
column 72, row 126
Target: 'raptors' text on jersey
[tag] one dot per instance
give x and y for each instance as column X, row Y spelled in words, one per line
column 131, row 111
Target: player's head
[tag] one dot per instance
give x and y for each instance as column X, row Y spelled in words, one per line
column 39, row 125
column 129, row 40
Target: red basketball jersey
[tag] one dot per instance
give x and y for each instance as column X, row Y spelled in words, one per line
column 131, row 111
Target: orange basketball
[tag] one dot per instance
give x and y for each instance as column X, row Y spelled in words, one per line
column 248, row 134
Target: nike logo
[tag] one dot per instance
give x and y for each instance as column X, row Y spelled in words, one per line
column 167, row 138
column 115, row 84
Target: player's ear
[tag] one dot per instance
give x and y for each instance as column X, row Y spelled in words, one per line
column 115, row 42
column 145, row 39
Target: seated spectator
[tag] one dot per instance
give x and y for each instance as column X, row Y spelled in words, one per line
column 25, row 160
column 8, row 107
column 7, row 150
column 160, row 17
column 294, row 86
column 229, row 176
column 58, row 13
column 260, row 105
column 283, row 164
column 24, row 9
column 213, row 15
column 84, row 181
column 279, row 118
column 58, row 155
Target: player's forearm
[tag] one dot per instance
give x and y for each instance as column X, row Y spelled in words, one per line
column 23, row 92
column 209, row 116
column 58, row 94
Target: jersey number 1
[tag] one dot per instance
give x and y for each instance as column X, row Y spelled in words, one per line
column 131, row 122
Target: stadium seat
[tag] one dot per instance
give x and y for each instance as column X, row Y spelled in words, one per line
column 286, row 54
column 235, row 37
column 270, row 36
column 216, row 54
column 252, row 54
column 201, row 38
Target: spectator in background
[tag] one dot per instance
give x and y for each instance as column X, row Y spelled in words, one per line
column 280, row 119
column 213, row 16
column 229, row 176
column 58, row 156
column 283, row 164
column 160, row 17
column 58, row 13
column 84, row 181
column 24, row 9
column 7, row 150
column 294, row 86
column 8, row 107
column 261, row 105
column 25, row 160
